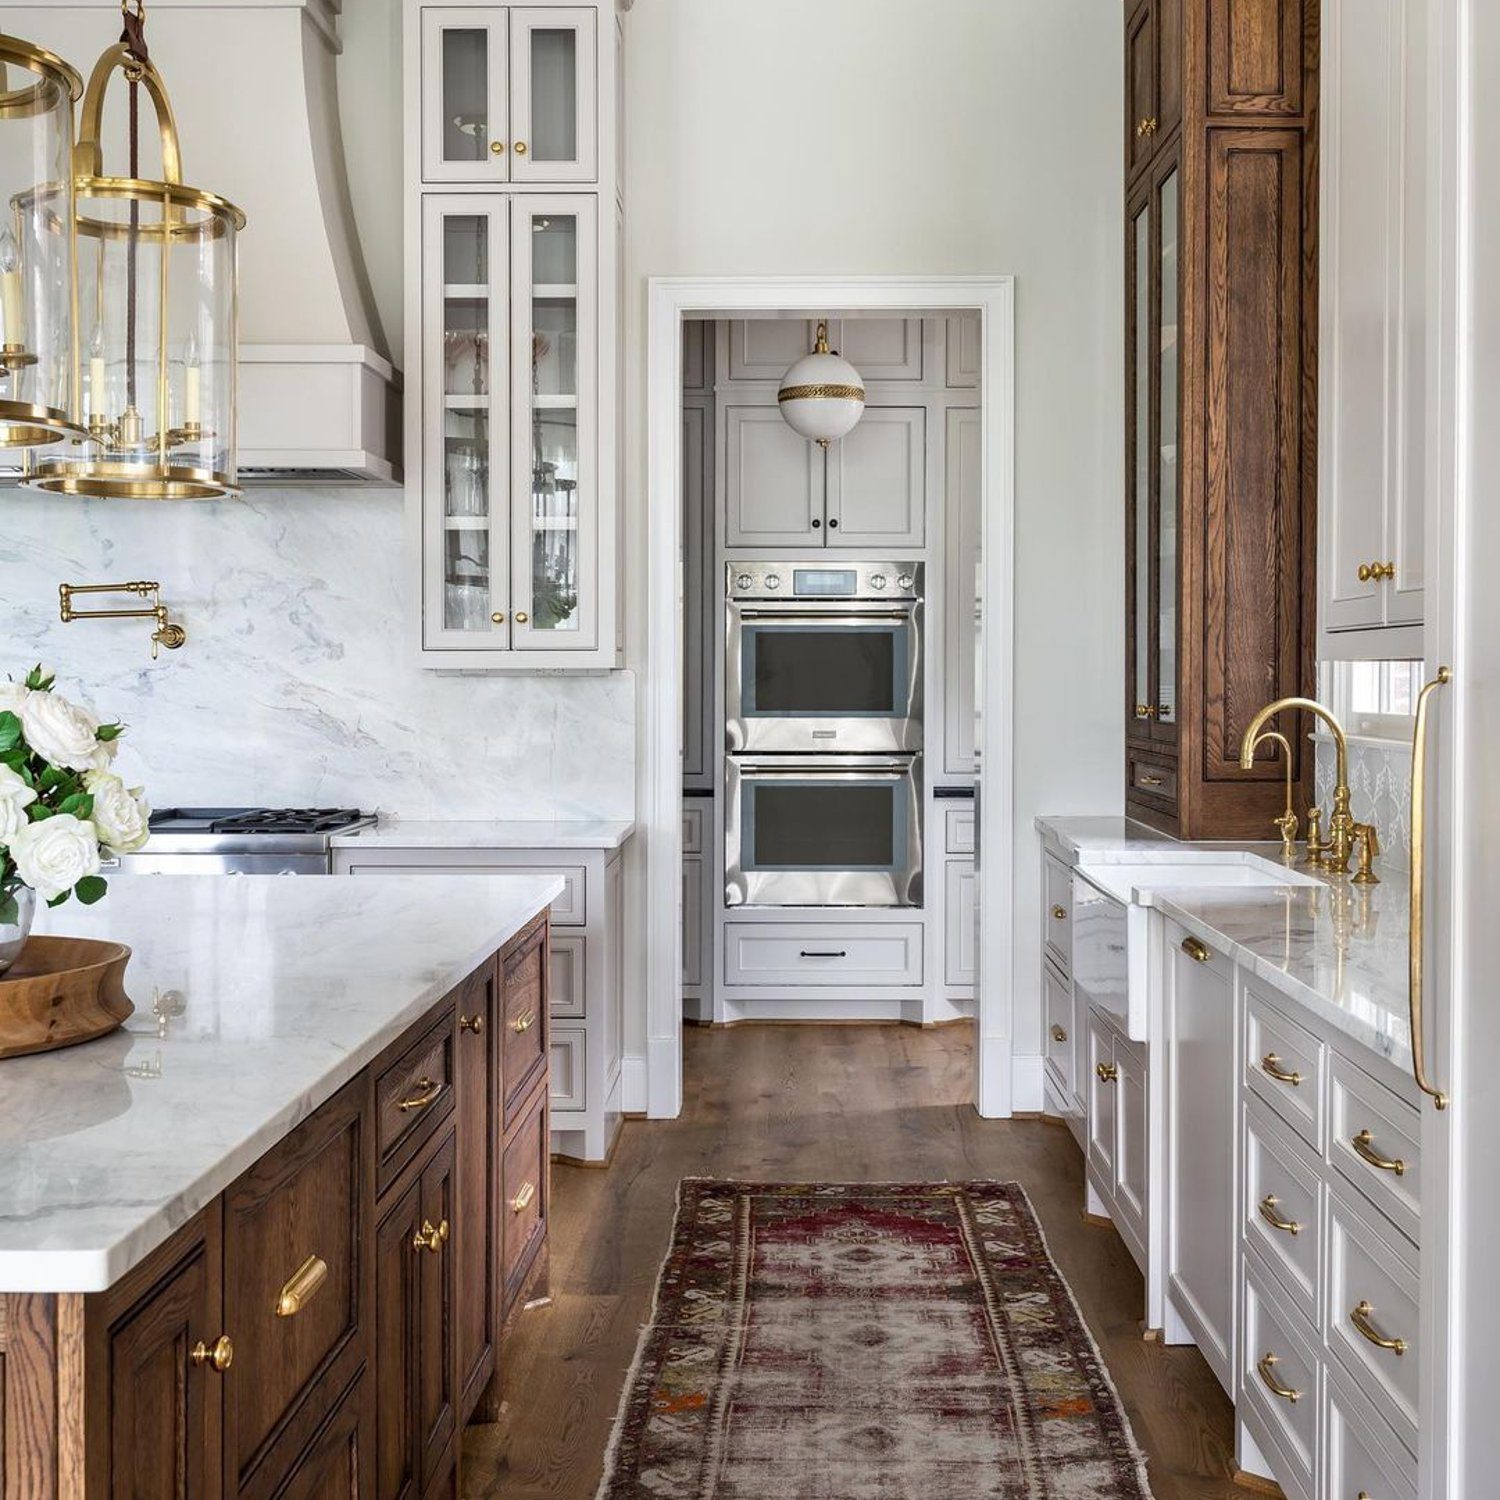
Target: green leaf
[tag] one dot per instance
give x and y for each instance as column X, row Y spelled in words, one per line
column 108, row 732
column 37, row 681
column 80, row 804
column 90, row 889
column 39, row 810
column 16, row 760
column 10, row 910
column 54, row 777
column 58, row 900
column 10, row 730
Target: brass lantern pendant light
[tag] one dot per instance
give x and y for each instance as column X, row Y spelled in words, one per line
column 38, row 331
column 157, row 312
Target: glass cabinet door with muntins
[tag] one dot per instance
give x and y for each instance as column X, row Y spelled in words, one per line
column 466, row 521
column 554, row 461
column 1138, row 479
column 1167, row 497
column 465, row 109
column 553, row 94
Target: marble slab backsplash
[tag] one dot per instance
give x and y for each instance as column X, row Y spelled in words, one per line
column 298, row 684
column 1379, row 793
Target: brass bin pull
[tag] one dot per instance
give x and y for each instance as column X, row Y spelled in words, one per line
column 1364, row 1148
column 1267, row 1207
column 1265, row 1365
column 431, row 1237
column 218, row 1355
column 1418, row 861
column 1195, row 950
column 1360, row 1317
column 523, row 1024
column 301, row 1286
column 428, row 1093
column 1271, row 1064
column 522, row 1201
column 1107, row 1072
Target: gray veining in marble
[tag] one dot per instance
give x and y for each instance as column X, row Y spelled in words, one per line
column 298, row 684
column 272, row 994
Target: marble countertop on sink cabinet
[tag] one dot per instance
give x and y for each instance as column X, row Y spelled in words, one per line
column 402, row 833
column 1336, row 948
column 257, row 999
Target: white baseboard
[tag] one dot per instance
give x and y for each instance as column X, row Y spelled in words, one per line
column 633, row 1085
column 1028, row 1084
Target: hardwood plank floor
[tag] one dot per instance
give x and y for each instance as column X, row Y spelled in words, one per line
column 834, row 1103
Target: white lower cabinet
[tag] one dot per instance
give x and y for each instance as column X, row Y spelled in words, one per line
column 1280, row 1384
column 697, row 909
column 1119, row 1147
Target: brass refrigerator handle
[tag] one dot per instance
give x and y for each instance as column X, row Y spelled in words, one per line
column 1418, row 860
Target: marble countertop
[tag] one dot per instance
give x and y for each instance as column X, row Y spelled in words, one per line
column 1338, row 949
column 401, row 833
column 256, row 999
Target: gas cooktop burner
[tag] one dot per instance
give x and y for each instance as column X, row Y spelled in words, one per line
column 288, row 820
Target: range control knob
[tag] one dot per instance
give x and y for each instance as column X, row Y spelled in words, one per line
column 877, row 580
column 773, row 580
column 743, row 581
column 905, row 581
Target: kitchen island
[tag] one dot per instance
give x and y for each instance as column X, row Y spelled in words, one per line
column 231, row 1233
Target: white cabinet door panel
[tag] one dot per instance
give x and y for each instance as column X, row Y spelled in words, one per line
column 1133, row 1151
column 465, row 106
column 773, row 481
column 881, row 348
column 960, row 918
column 962, row 488
column 877, row 480
column 554, row 93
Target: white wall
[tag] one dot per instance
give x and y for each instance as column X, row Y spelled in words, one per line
column 887, row 137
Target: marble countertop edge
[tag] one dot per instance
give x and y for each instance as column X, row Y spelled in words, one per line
column 490, row 833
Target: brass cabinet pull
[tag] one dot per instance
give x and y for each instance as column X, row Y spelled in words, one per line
column 520, row 616
column 1059, row 913
column 1146, row 779
column 519, row 148
column 1195, row 950
column 471, row 1023
column 1265, row 1365
column 1107, row 1072
column 1271, row 1064
column 498, row 147
column 431, row 1237
column 522, row 1201
column 1058, row 1034
column 1360, row 1317
column 1418, row 863
column 301, row 1286
column 524, row 1023
column 1143, row 710
column 1267, row 1206
column 218, row 1355
column 427, row 1094
column 1364, row 1148
column 1376, row 572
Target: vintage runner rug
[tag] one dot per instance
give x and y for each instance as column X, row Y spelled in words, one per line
column 823, row 1341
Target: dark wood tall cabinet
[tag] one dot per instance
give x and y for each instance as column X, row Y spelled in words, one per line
column 1221, row 402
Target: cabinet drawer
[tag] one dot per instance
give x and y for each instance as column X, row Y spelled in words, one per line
column 958, row 829
column 1372, row 1294
column 1153, row 778
column 1057, row 912
column 1284, row 1067
column 1375, row 1144
column 413, row 1095
column 523, row 1032
column 566, row 1074
column 1359, row 1462
column 810, row 954
column 299, row 1340
column 1282, row 1189
column 524, row 1195
column 1057, row 995
column 1279, row 1380
column 568, row 995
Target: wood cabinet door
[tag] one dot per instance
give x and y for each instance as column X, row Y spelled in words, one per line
column 1140, row 87
column 476, row 1221
column 156, row 1409
column 527, row 1197
column 397, row 1336
column 309, row 1199
column 436, row 1355
column 1168, row 45
column 523, row 1003
column 339, row 1463
column 876, row 481
column 1140, row 432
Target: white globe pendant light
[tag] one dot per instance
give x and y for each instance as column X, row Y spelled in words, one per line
column 822, row 396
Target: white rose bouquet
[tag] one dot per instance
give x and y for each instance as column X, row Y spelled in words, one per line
column 60, row 804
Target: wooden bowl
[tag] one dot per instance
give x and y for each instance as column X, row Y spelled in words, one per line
column 62, row 990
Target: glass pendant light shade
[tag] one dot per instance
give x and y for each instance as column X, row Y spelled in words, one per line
column 157, row 322
column 38, row 404
column 822, row 396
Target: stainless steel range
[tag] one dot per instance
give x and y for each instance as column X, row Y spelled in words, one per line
column 243, row 841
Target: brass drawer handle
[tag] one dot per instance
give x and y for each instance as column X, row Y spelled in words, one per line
column 218, row 1355
column 1145, row 779
column 1271, row 1064
column 1195, row 950
column 1360, row 1317
column 1267, row 1206
column 431, row 1237
column 1060, row 913
column 522, row 1201
column 301, row 1286
column 523, row 1024
column 1058, row 1034
column 1265, row 1365
column 471, row 1023
column 1107, row 1072
column 1364, row 1148
column 427, row 1094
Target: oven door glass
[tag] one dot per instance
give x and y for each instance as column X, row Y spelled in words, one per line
column 836, row 832
column 801, row 679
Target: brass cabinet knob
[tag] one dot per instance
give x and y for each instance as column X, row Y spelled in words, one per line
column 1058, row 1034
column 1377, row 572
column 1107, row 1072
column 498, row 618
column 1059, row 913
column 471, row 1023
column 431, row 1237
column 498, row 147
column 523, row 1024
column 218, row 1355
column 521, row 617
column 520, row 148
column 522, row 1201
column 1143, row 710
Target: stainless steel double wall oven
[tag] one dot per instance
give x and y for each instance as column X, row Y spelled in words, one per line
column 823, row 731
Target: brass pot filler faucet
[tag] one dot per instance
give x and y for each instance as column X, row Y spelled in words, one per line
column 167, row 634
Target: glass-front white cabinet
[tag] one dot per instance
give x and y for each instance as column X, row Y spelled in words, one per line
column 509, row 94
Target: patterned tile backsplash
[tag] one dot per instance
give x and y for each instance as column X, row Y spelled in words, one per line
column 1379, row 793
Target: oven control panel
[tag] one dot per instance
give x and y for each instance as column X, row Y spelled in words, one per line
column 844, row 580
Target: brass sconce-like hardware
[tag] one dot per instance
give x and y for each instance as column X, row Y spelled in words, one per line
column 301, row 1286
column 1418, row 863
column 218, row 1355
column 167, row 632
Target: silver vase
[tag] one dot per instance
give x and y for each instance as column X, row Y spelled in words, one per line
column 13, row 935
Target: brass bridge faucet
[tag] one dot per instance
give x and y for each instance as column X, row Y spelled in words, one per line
column 1341, row 822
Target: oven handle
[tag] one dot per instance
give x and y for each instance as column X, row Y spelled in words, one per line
column 812, row 769
column 829, row 617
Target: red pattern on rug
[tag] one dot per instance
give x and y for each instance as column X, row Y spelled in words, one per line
column 821, row 1341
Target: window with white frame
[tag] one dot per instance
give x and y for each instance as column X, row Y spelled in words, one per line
column 1373, row 698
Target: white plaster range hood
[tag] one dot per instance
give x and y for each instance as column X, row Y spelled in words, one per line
column 253, row 87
